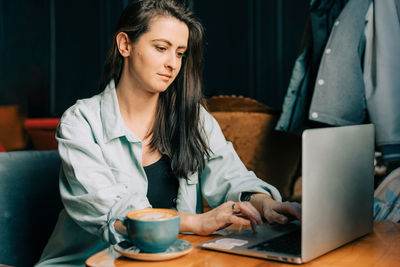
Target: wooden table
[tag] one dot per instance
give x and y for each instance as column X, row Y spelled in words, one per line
column 380, row 248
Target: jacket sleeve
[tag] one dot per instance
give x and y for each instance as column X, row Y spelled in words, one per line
column 381, row 74
column 91, row 192
column 225, row 177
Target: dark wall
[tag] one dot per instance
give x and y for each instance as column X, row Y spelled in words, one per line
column 82, row 38
column 251, row 46
column 52, row 52
column 24, row 54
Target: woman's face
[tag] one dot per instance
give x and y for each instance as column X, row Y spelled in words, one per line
column 156, row 57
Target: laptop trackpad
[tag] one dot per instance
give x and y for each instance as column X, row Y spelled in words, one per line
column 268, row 238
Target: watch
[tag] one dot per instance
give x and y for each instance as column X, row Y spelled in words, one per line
column 246, row 196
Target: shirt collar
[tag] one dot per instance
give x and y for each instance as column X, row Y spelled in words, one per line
column 113, row 124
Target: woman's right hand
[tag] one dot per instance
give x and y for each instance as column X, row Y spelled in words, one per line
column 241, row 213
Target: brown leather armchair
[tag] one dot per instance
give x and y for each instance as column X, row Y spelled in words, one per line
column 274, row 156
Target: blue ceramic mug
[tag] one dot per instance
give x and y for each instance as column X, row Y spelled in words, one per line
column 150, row 230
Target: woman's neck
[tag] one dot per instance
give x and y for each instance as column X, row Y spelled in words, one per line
column 138, row 107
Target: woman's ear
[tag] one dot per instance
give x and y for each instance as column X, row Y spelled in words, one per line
column 123, row 44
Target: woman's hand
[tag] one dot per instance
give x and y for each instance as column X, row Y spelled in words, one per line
column 241, row 213
column 274, row 211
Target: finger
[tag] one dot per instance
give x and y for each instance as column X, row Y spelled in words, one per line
column 252, row 221
column 224, row 226
column 249, row 216
column 297, row 208
column 254, row 215
column 273, row 216
column 254, row 226
column 254, row 211
column 289, row 208
column 248, row 210
column 238, row 220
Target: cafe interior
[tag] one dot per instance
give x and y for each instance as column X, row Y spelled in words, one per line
column 272, row 69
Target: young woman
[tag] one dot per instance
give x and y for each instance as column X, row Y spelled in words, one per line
column 146, row 141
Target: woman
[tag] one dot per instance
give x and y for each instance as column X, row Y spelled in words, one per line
column 146, row 141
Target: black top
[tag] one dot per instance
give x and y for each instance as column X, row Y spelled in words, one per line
column 162, row 184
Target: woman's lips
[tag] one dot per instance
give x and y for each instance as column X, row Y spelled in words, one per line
column 165, row 76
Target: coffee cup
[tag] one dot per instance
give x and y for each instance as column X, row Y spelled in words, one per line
column 150, row 230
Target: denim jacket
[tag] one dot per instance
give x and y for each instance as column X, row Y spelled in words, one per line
column 102, row 177
column 358, row 76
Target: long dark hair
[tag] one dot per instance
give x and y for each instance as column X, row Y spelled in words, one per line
column 177, row 132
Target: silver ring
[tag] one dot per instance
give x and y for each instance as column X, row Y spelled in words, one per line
column 233, row 209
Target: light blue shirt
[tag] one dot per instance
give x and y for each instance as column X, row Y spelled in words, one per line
column 102, row 177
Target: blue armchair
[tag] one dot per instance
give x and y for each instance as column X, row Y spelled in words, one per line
column 29, row 204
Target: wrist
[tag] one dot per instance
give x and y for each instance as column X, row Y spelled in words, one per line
column 190, row 222
column 260, row 201
column 246, row 196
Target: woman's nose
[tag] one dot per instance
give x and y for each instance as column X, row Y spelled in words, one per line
column 172, row 61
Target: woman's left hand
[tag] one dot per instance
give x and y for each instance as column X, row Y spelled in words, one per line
column 274, row 211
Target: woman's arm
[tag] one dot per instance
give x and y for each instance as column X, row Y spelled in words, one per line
column 225, row 177
column 241, row 213
column 92, row 191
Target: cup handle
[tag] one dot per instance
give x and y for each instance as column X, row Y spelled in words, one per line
column 112, row 229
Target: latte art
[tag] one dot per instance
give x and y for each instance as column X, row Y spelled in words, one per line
column 151, row 216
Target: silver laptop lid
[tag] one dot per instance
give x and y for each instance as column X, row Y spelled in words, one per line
column 337, row 194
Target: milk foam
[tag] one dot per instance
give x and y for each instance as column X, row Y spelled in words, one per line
column 150, row 216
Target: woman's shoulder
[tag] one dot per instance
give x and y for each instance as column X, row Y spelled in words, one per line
column 211, row 128
column 83, row 110
column 205, row 115
column 207, row 121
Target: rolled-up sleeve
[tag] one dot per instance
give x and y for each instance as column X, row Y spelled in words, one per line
column 225, row 177
column 91, row 191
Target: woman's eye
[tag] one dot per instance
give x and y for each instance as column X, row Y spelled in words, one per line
column 180, row 54
column 160, row 48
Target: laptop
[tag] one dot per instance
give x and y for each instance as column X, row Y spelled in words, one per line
column 337, row 200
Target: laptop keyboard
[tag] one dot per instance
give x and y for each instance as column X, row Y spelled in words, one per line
column 288, row 243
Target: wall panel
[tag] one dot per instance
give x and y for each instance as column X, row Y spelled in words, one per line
column 52, row 52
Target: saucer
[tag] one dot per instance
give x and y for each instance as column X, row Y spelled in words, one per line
column 177, row 249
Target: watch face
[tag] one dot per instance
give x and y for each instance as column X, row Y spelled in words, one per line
column 246, row 196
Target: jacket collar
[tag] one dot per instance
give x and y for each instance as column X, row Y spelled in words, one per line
column 113, row 124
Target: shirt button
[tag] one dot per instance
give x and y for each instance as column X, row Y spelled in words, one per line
column 314, row 115
column 321, row 82
column 337, row 23
column 328, row 51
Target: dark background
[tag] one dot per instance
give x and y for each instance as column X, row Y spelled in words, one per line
column 52, row 52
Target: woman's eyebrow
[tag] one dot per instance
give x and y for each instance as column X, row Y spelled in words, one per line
column 166, row 41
